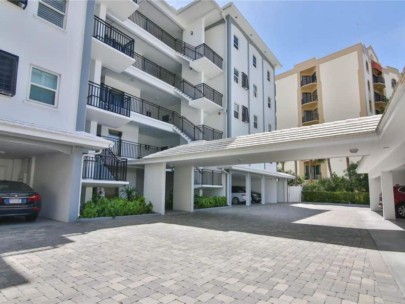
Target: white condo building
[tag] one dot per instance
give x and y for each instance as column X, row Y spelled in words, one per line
column 93, row 86
column 346, row 84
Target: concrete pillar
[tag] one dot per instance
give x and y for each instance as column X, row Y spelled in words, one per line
column 387, row 185
column 248, row 190
column 183, row 188
column 101, row 11
column 374, row 184
column 229, row 189
column 96, row 73
column 155, row 186
column 93, row 127
column 263, row 191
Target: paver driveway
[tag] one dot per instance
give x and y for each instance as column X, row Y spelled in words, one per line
column 262, row 254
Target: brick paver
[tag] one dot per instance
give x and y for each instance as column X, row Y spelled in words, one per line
column 261, row 254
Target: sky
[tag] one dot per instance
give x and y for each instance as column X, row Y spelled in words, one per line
column 299, row 30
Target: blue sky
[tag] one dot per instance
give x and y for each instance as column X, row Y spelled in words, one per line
column 299, row 30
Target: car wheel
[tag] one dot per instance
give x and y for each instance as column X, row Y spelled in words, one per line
column 31, row 218
column 235, row 201
column 401, row 210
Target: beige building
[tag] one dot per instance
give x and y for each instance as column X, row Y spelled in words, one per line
column 349, row 83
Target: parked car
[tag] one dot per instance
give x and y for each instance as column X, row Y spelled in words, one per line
column 19, row 199
column 399, row 201
column 239, row 195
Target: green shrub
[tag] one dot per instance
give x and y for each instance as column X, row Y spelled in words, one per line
column 361, row 198
column 201, row 202
column 100, row 207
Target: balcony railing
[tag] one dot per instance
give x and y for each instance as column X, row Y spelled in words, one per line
column 380, row 98
column 306, row 98
column 113, row 37
column 210, row 133
column 378, row 79
column 194, row 92
column 207, row 177
column 128, row 149
column 176, row 44
column 105, row 166
column 109, row 99
column 308, row 79
column 310, row 116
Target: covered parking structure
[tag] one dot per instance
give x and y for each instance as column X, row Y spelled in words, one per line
column 50, row 161
column 378, row 139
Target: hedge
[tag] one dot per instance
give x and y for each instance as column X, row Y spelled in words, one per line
column 102, row 207
column 201, row 202
column 360, row 198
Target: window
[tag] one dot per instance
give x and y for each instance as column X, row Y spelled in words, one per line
column 8, row 73
column 268, row 75
column 236, row 75
column 367, row 66
column 254, row 60
column 245, row 114
column 269, row 127
column 368, row 84
column 268, row 102
column 236, row 42
column 245, row 81
column 255, row 121
column 236, row 110
column 254, row 90
column 393, row 83
column 43, row 87
column 53, row 11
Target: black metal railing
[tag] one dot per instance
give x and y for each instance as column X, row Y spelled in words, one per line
column 128, row 149
column 113, row 37
column 178, row 45
column 194, row 92
column 109, row 99
column 207, row 177
column 308, row 97
column 308, row 79
column 378, row 79
column 105, row 166
column 310, row 116
column 380, row 98
column 210, row 133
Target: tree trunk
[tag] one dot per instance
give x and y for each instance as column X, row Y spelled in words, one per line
column 282, row 166
column 310, row 170
column 296, row 172
column 329, row 167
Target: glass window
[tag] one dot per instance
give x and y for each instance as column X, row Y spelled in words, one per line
column 268, row 102
column 245, row 81
column 268, row 75
column 43, row 87
column 53, row 11
column 8, row 73
column 269, row 127
column 254, row 60
column 236, row 110
column 367, row 66
column 393, row 83
column 254, row 90
column 236, row 75
column 236, row 42
column 245, row 114
column 255, row 121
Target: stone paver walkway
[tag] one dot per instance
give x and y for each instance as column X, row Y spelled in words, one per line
column 261, row 254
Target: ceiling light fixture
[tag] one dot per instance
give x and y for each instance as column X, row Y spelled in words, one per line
column 354, row 150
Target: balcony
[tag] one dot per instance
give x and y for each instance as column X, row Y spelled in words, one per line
column 308, row 98
column 379, row 82
column 111, row 46
column 104, row 168
column 128, row 149
column 202, row 96
column 206, row 59
column 207, row 178
column 308, row 81
column 380, row 98
column 310, row 117
column 122, row 11
column 210, row 133
column 108, row 105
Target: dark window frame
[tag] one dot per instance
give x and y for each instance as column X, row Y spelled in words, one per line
column 235, row 75
column 268, row 75
column 245, row 114
column 245, row 81
column 255, row 121
column 13, row 75
column 254, row 61
column 236, row 42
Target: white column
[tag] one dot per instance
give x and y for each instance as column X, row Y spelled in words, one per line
column 374, row 185
column 263, row 190
column 183, row 188
column 229, row 189
column 155, row 186
column 387, row 185
column 93, row 127
column 248, row 190
column 96, row 73
column 101, row 11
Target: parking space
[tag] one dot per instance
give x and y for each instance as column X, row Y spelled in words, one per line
column 278, row 253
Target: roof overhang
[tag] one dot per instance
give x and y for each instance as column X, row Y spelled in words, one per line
column 257, row 172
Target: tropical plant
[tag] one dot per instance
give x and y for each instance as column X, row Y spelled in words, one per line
column 129, row 192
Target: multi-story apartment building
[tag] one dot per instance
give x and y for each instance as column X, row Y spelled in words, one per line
column 347, row 84
column 117, row 81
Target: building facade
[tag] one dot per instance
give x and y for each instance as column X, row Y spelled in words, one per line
column 347, row 84
column 120, row 81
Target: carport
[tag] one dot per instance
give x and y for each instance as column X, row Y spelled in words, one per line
column 49, row 160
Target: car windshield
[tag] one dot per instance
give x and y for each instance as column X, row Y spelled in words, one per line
column 7, row 187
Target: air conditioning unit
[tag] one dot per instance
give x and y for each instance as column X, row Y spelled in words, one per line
column 21, row 3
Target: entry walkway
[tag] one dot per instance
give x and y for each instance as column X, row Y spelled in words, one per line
column 284, row 253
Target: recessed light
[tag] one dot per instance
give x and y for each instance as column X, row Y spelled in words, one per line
column 386, row 147
column 354, row 150
column 2, row 152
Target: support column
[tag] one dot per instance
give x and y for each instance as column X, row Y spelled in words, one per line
column 229, row 189
column 155, row 186
column 374, row 185
column 183, row 190
column 263, row 190
column 387, row 185
column 248, row 190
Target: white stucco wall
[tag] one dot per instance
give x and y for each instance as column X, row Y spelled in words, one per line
column 287, row 108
